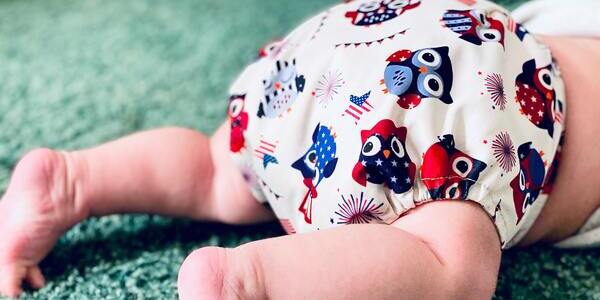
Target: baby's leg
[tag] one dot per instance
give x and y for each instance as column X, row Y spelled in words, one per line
column 168, row 171
column 442, row 250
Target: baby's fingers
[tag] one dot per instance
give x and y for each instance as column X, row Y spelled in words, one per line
column 11, row 277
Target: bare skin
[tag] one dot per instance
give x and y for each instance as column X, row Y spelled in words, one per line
column 172, row 170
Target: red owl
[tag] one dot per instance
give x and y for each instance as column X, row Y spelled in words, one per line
column 238, row 119
column 474, row 26
column 449, row 173
column 536, row 96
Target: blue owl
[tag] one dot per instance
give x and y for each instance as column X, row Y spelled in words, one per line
column 422, row 74
column 316, row 164
column 281, row 89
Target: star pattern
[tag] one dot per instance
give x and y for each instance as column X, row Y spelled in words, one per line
column 532, row 105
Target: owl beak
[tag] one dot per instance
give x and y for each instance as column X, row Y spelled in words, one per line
column 386, row 153
column 277, row 86
column 423, row 70
column 549, row 96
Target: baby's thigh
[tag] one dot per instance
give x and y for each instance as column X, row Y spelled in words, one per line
column 231, row 198
column 461, row 234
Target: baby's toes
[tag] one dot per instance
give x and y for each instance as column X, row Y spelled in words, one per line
column 11, row 277
column 218, row 273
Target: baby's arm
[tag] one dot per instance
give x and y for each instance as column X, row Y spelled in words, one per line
column 171, row 171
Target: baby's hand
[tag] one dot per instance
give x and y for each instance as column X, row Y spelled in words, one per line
column 36, row 209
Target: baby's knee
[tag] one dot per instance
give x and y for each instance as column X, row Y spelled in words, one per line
column 219, row 273
column 201, row 274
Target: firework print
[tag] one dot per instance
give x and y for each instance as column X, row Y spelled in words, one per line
column 328, row 87
column 359, row 210
column 358, row 106
column 495, row 87
column 266, row 152
column 355, row 119
column 504, row 151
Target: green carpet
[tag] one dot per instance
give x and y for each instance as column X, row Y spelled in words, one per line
column 75, row 73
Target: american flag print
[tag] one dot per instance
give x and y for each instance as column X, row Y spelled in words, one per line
column 266, row 152
column 287, row 225
column 358, row 106
column 517, row 29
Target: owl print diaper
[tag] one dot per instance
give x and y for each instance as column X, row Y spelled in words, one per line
column 374, row 107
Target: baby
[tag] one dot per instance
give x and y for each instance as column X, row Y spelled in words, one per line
column 414, row 139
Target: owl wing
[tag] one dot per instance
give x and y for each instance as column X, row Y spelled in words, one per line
column 532, row 104
column 397, row 79
column 359, row 174
column 435, row 168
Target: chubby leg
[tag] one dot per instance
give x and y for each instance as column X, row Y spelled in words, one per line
column 170, row 171
column 442, row 250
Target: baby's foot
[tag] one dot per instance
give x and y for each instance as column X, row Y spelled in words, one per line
column 38, row 206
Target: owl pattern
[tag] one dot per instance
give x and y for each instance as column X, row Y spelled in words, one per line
column 411, row 75
column 553, row 170
column 379, row 11
column 383, row 158
column 528, row 183
column 422, row 74
column 536, row 96
column 316, row 164
column 447, row 172
column 474, row 26
column 281, row 89
column 238, row 120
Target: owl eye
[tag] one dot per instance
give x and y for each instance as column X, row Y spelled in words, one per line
column 480, row 16
column 235, row 107
column 369, row 7
column 398, row 4
column 462, row 166
column 489, row 34
column 521, row 180
column 429, row 58
column 526, row 202
column 372, row 146
column 433, row 85
column 545, row 79
column 397, row 147
column 453, row 191
column 311, row 159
